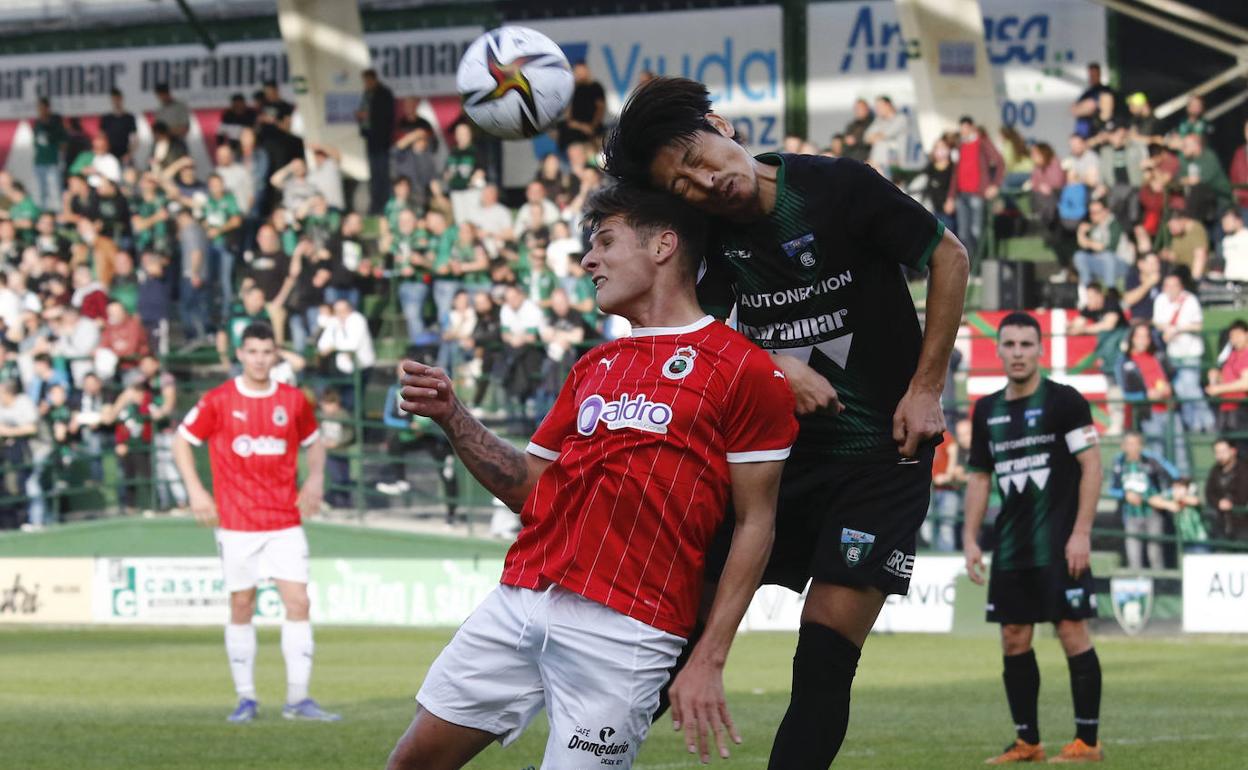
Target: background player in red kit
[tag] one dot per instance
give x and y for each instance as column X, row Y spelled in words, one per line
column 620, row 491
column 254, row 427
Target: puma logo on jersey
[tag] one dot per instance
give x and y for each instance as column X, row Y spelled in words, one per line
column 608, row 362
column 239, row 415
column 777, row 373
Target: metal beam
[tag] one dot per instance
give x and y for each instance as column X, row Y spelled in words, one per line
column 1161, row 22
column 1217, row 81
column 1195, row 15
column 204, row 35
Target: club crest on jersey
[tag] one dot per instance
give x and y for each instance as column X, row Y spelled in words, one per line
column 680, row 365
column 855, row 545
column 802, row 249
column 279, row 416
column 637, row 413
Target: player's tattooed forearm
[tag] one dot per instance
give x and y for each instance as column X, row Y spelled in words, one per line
column 495, row 462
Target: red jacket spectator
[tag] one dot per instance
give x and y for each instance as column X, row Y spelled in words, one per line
column 124, row 335
column 979, row 167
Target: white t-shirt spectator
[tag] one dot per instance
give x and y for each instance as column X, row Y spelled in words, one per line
column 528, row 318
column 524, row 216
column 349, row 339
column 237, row 180
column 327, row 178
column 492, row 223
column 1185, row 311
column 106, row 166
column 887, row 151
column 1235, row 253
column 19, row 414
column 561, row 252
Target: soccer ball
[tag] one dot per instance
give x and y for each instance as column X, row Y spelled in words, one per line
column 514, row 82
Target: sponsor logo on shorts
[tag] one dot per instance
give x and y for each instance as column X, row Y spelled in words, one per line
column 626, row 411
column 999, row 419
column 1074, row 597
column 855, row 545
column 603, row 747
column 261, row 446
column 900, row 564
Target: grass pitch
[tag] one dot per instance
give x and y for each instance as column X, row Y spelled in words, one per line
column 157, row 698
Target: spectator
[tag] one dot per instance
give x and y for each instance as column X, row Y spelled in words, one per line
column 345, row 337
column 415, row 158
column 466, row 263
column 408, row 247
column 122, row 343
column 193, row 296
column 464, row 165
column 1140, row 482
column 411, row 435
column 1178, row 316
column 308, row 292
column 561, row 186
column 586, row 111
column 42, row 377
column 155, row 298
column 1183, row 503
column 493, row 220
column 563, row 334
column 376, row 119
column 291, row 180
column 1145, row 126
column 1145, row 385
column 522, row 323
column 976, row 179
column 167, row 147
column 274, row 140
column 1189, row 244
column 88, row 411
column 19, row 424
column 457, row 343
column 1229, row 383
column 49, row 139
column 236, row 177
column 110, row 213
column 48, row 240
column 1122, row 172
column 120, row 128
column 1087, row 105
column 343, row 256
column 272, row 100
column 269, row 269
column 1102, row 315
column 487, row 342
column 132, row 435
column 1205, row 187
column 22, row 213
column 175, row 115
column 1239, row 174
column 97, row 163
column 941, row 528
column 1226, row 489
column 239, row 316
column 536, row 278
column 162, row 394
column 124, row 284
column 887, row 137
column 1098, row 240
column 1194, row 123
column 1234, row 262
column 1017, row 155
column 938, row 179
column 326, row 174
column 537, row 210
column 235, row 119
column 857, row 146
column 149, row 219
column 77, row 337
column 338, row 434
column 222, row 218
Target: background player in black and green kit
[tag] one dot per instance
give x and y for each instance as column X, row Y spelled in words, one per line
column 1035, row 437
column 808, row 250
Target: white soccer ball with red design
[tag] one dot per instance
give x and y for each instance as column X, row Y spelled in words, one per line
column 515, row 82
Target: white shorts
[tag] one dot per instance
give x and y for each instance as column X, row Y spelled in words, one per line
column 249, row 557
column 598, row 673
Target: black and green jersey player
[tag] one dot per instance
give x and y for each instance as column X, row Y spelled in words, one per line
column 809, row 253
column 1036, row 439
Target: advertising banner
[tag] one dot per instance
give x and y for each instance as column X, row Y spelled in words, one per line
column 737, row 52
column 1038, row 49
column 45, row 590
column 927, row 608
column 1215, row 593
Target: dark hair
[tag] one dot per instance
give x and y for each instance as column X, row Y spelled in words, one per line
column 330, row 396
column 966, row 119
column 256, row 331
column 1136, row 324
column 115, row 92
column 664, row 111
column 370, row 73
column 1019, row 318
column 1227, row 441
column 648, row 211
column 1239, row 324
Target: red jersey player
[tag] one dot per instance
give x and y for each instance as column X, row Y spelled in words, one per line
column 254, row 426
column 620, row 491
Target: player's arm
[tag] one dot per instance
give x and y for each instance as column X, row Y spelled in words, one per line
column 202, row 505
column 1079, row 546
column 697, row 695
column 977, row 485
column 504, row 470
column 919, row 415
column 313, row 488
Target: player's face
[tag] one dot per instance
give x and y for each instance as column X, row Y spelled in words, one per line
column 711, row 172
column 258, row 357
column 618, row 265
column 1019, row 348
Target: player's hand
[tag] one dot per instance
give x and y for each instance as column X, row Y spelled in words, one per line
column 918, row 418
column 426, row 391
column 974, row 561
column 700, row 708
column 1078, row 551
column 811, row 390
column 203, row 507
column 311, row 496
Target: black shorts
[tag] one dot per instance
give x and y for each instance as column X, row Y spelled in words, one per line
column 850, row 524
column 1040, row 595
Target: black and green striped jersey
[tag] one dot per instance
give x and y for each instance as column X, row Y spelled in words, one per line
column 1029, row 445
column 819, row 278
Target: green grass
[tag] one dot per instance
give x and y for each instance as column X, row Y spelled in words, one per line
column 133, row 536
column 148, row 698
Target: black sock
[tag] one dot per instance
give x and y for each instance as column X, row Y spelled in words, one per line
column 1085, row 690
column 814, row 726
column 1022, row 690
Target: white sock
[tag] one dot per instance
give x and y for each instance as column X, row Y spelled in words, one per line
column 297, row 648
column 240, row 647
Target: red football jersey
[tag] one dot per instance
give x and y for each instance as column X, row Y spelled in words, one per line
column 253, row 442
column 640, row 440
